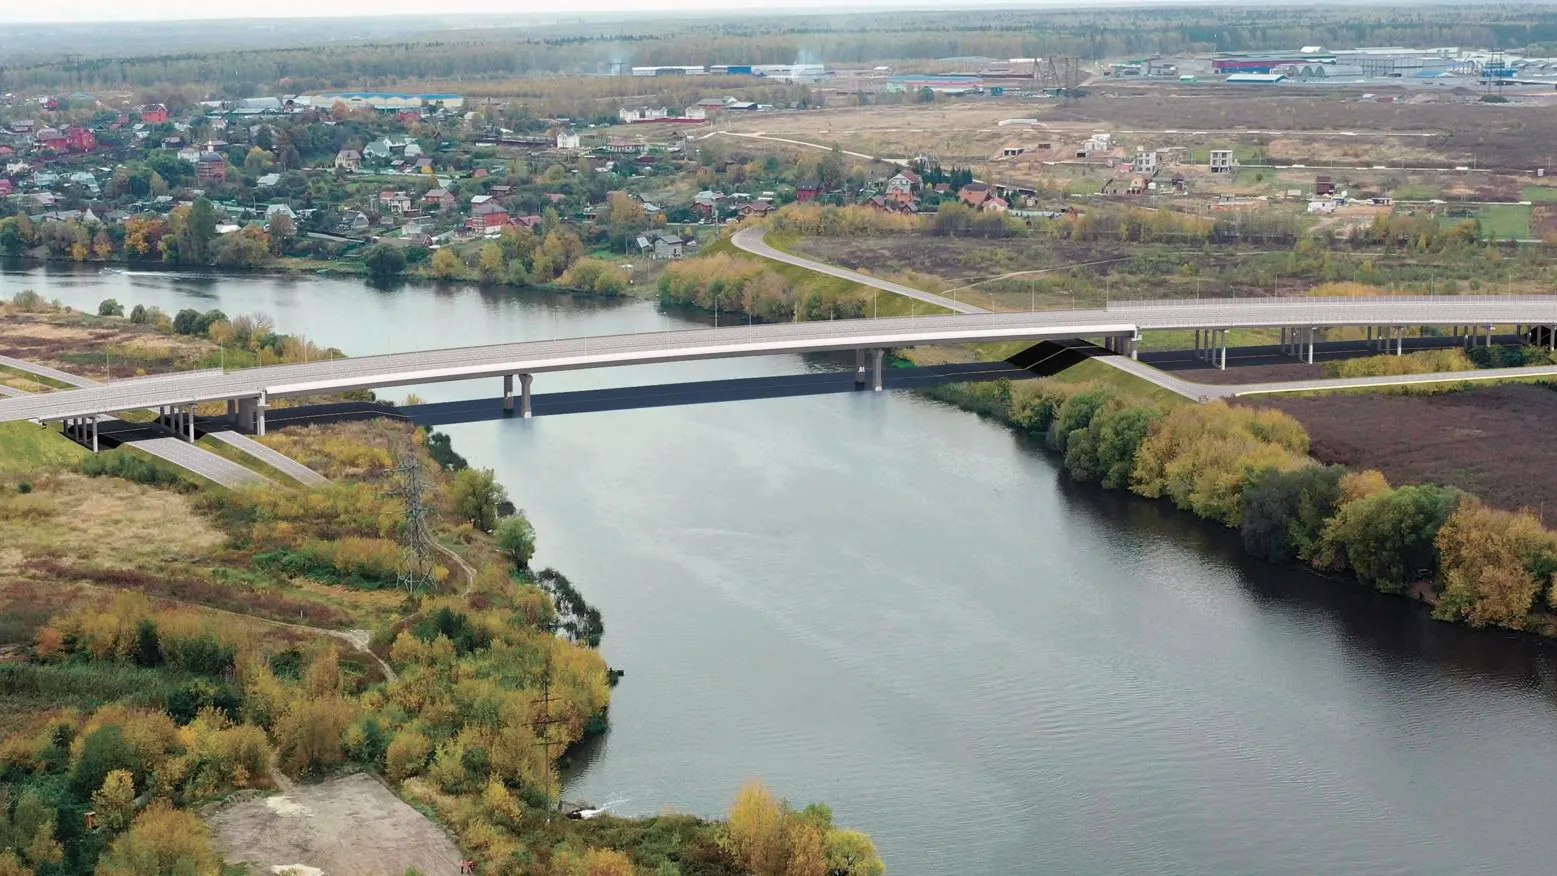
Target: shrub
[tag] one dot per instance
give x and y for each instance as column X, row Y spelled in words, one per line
column 110, row 307
column 1495, row 565
column 1389, row 537
column 406, row 755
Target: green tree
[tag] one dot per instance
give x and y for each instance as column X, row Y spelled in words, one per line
column 1389, row 538
column 490, row 263
column 384, row 260
column 1285, row 512
column 110, row 307
column 138, row 315
column 516, row 539
column 476, row 496
column 162, row 841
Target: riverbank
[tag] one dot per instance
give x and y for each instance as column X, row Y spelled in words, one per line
column 1248, row 468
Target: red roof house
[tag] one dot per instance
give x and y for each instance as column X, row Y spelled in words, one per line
column 81, row 139
column 154, row 114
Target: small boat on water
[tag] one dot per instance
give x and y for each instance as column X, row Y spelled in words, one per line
column 111, row 271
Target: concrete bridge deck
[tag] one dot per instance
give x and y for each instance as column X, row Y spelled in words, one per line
column 1119, row 321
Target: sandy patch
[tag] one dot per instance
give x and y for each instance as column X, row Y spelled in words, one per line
column 352, row 826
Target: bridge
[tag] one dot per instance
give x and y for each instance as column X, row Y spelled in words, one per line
column 248, row 392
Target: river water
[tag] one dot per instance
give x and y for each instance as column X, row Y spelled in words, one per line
column 897, row 608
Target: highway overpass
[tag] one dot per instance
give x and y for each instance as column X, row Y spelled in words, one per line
column 1119, row 326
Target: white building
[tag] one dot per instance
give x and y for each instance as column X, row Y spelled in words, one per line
column 1145, row 161
column 567, row 140
column 1222, row 161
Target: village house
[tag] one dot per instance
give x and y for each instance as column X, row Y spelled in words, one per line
column 1146, row 162
column 81, row 139
column 623, row 147
column 355, row 220
column 643, row 114
column 1095, row 144
column 268, row 180
column 1222, row 161
column 706, row 202
column 486, row 214
column 50, row 138
column 974, row 195
column 211, row 168
column 439, row 199
column 904, row 181
column 189, row 154
column 532, row 221
column 667, row 246
column 1324, row 185
column 154, row 114
column 6, row 188
column 567, row 140
column 348, row 159
column 398, row 203
column 808, row 190
column 423, row 165
column 756, row 208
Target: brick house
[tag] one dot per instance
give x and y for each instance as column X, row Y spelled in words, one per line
column 439, row 199
column 487, row 214
column 211, row 168
column 809, row 190
column 81, row 139
column 154, row 114
column 974, row 195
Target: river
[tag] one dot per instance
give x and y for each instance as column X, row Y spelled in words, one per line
column 892, row 606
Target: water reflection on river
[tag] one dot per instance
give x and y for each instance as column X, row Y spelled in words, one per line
column 895, row 607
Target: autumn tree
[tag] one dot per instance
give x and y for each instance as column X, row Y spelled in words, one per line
column 162, row 840
column 756, row 837
column 281, row 229
column 490, row 263
column 115, row 801
column 1495, row 565
column 447, row 265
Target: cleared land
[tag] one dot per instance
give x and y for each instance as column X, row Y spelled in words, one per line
column 1487, row 441
column 351, row 826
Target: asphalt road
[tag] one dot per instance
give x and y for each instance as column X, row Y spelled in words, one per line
column 751, row 240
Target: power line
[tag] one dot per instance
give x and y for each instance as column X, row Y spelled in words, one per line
column 416, row 541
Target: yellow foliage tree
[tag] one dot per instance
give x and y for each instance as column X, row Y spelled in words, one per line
column 1494, row 564
column 160, row 841
column 115, row 801
column 757, row 830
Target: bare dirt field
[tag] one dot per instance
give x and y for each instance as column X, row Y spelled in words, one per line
column 1490, row 441
column 88, row 346
column 351, row 826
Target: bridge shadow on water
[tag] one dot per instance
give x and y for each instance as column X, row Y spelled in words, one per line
column 625, row 398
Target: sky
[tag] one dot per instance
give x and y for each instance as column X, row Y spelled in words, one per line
column 59, row 11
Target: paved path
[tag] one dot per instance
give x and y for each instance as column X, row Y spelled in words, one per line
column 45, row 371
column 750, row 240
column 8, row 392
column 271, row 457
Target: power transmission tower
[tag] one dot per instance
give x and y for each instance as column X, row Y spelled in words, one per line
column 542, row 727
column 416, row 541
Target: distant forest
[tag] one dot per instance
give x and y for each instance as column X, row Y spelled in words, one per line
column 378, row 59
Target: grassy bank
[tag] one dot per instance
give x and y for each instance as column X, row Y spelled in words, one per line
column 1249, row 468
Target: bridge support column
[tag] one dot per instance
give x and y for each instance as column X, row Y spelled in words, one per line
column 859, row 369
column 1197, row 344
column 508, row 393
column 524, row 395
column 1135, row 346
column 232, row 413
column 876, row 357
column 1313, row 334
column 1221, row 362
column 1400, row 340
column 1490, row 330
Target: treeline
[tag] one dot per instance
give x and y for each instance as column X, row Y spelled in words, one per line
column 837, row 39
column 742, row 287
column 1249, row 469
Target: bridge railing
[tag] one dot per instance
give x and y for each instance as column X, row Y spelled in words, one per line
column 1330, row 301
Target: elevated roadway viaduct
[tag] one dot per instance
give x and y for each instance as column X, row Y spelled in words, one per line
column 248, row 392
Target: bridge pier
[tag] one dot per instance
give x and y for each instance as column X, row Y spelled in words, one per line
column 876, row 357
column 524, row 395
column 859, row 369
column 251, row 415
column 508, row 393
column 1221, row 356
